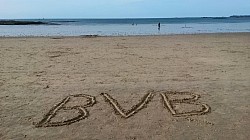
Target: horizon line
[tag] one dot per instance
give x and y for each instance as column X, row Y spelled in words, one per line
column 126, row 17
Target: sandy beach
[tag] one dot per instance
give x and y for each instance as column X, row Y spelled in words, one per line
column 126, row 88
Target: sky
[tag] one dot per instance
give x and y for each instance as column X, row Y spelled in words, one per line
column 26, row 9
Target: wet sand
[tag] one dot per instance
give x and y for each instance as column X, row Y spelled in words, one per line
column 128, row 88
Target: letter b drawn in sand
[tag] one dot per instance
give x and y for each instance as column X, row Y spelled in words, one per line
column 126, row 114
column 82, row 111
column 169, row 103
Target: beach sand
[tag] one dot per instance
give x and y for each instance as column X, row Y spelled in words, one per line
column 126, row 88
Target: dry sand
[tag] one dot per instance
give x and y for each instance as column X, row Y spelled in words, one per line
column 117, row 87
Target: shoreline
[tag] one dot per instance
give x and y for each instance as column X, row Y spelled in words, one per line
column 95, row 36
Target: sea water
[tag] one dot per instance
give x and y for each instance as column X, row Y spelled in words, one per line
column 126, row 27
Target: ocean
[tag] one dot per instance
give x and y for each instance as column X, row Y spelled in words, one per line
column 128, row 27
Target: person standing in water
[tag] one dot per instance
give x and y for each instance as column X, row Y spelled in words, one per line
column 159, row 26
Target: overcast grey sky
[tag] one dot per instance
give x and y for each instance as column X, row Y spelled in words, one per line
column 121, row 8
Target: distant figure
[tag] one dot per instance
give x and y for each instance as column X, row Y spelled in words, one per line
column 159, row 26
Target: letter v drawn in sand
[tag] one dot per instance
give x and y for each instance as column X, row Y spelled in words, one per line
column 126, row 114
column 169, row 103
column 82, row 111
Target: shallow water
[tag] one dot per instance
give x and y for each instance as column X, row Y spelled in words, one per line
column 124, row 27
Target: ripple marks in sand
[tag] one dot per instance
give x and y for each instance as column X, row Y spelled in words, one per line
column 82, row 111
column 126, row 114
column 192, row 100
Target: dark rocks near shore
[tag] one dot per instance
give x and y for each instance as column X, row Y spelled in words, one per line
column 88, row 36
column 14, row 22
